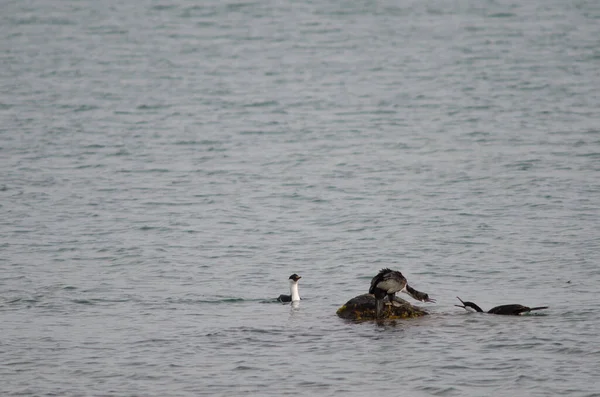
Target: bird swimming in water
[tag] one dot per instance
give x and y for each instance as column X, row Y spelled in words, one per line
column 294, row 295
column 507, row 310
column 388, row 282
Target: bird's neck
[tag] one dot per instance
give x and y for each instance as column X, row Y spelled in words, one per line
column 294, row 291
column 474, row 307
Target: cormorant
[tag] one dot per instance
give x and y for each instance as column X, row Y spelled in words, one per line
column 388, row 282
column 507, row 310
column 293, row 296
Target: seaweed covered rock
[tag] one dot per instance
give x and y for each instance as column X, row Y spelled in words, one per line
column 362, row 307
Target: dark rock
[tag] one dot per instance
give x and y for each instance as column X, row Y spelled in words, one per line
column 362, row 308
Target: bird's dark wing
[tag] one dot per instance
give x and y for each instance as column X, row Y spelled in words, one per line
column 509, row 310
column 514, row 310
column 284, row 298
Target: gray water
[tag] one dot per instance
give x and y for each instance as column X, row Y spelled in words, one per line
column 166, row 165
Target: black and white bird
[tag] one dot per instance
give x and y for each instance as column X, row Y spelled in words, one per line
column 388, row 282
column 506, row 310
column 294, row 295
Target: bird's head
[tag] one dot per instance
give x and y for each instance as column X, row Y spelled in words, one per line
column 294, row 277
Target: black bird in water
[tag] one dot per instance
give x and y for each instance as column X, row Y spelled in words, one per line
column 507, row 310
column 388, row 282
column 294, row 295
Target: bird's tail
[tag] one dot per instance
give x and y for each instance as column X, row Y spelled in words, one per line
column 538, row 308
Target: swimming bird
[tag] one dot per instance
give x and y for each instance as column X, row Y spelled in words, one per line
column 388, row 282
column 507, row 310
column 294, row 295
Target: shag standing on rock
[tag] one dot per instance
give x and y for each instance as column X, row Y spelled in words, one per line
column 294, row 295
column 507, row 310
column 388, row 282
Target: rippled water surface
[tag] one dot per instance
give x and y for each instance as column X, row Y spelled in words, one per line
column 166, row 165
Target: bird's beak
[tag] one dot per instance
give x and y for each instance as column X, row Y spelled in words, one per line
column 428, row 299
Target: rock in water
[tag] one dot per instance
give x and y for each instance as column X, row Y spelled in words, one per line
column 362, row 308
